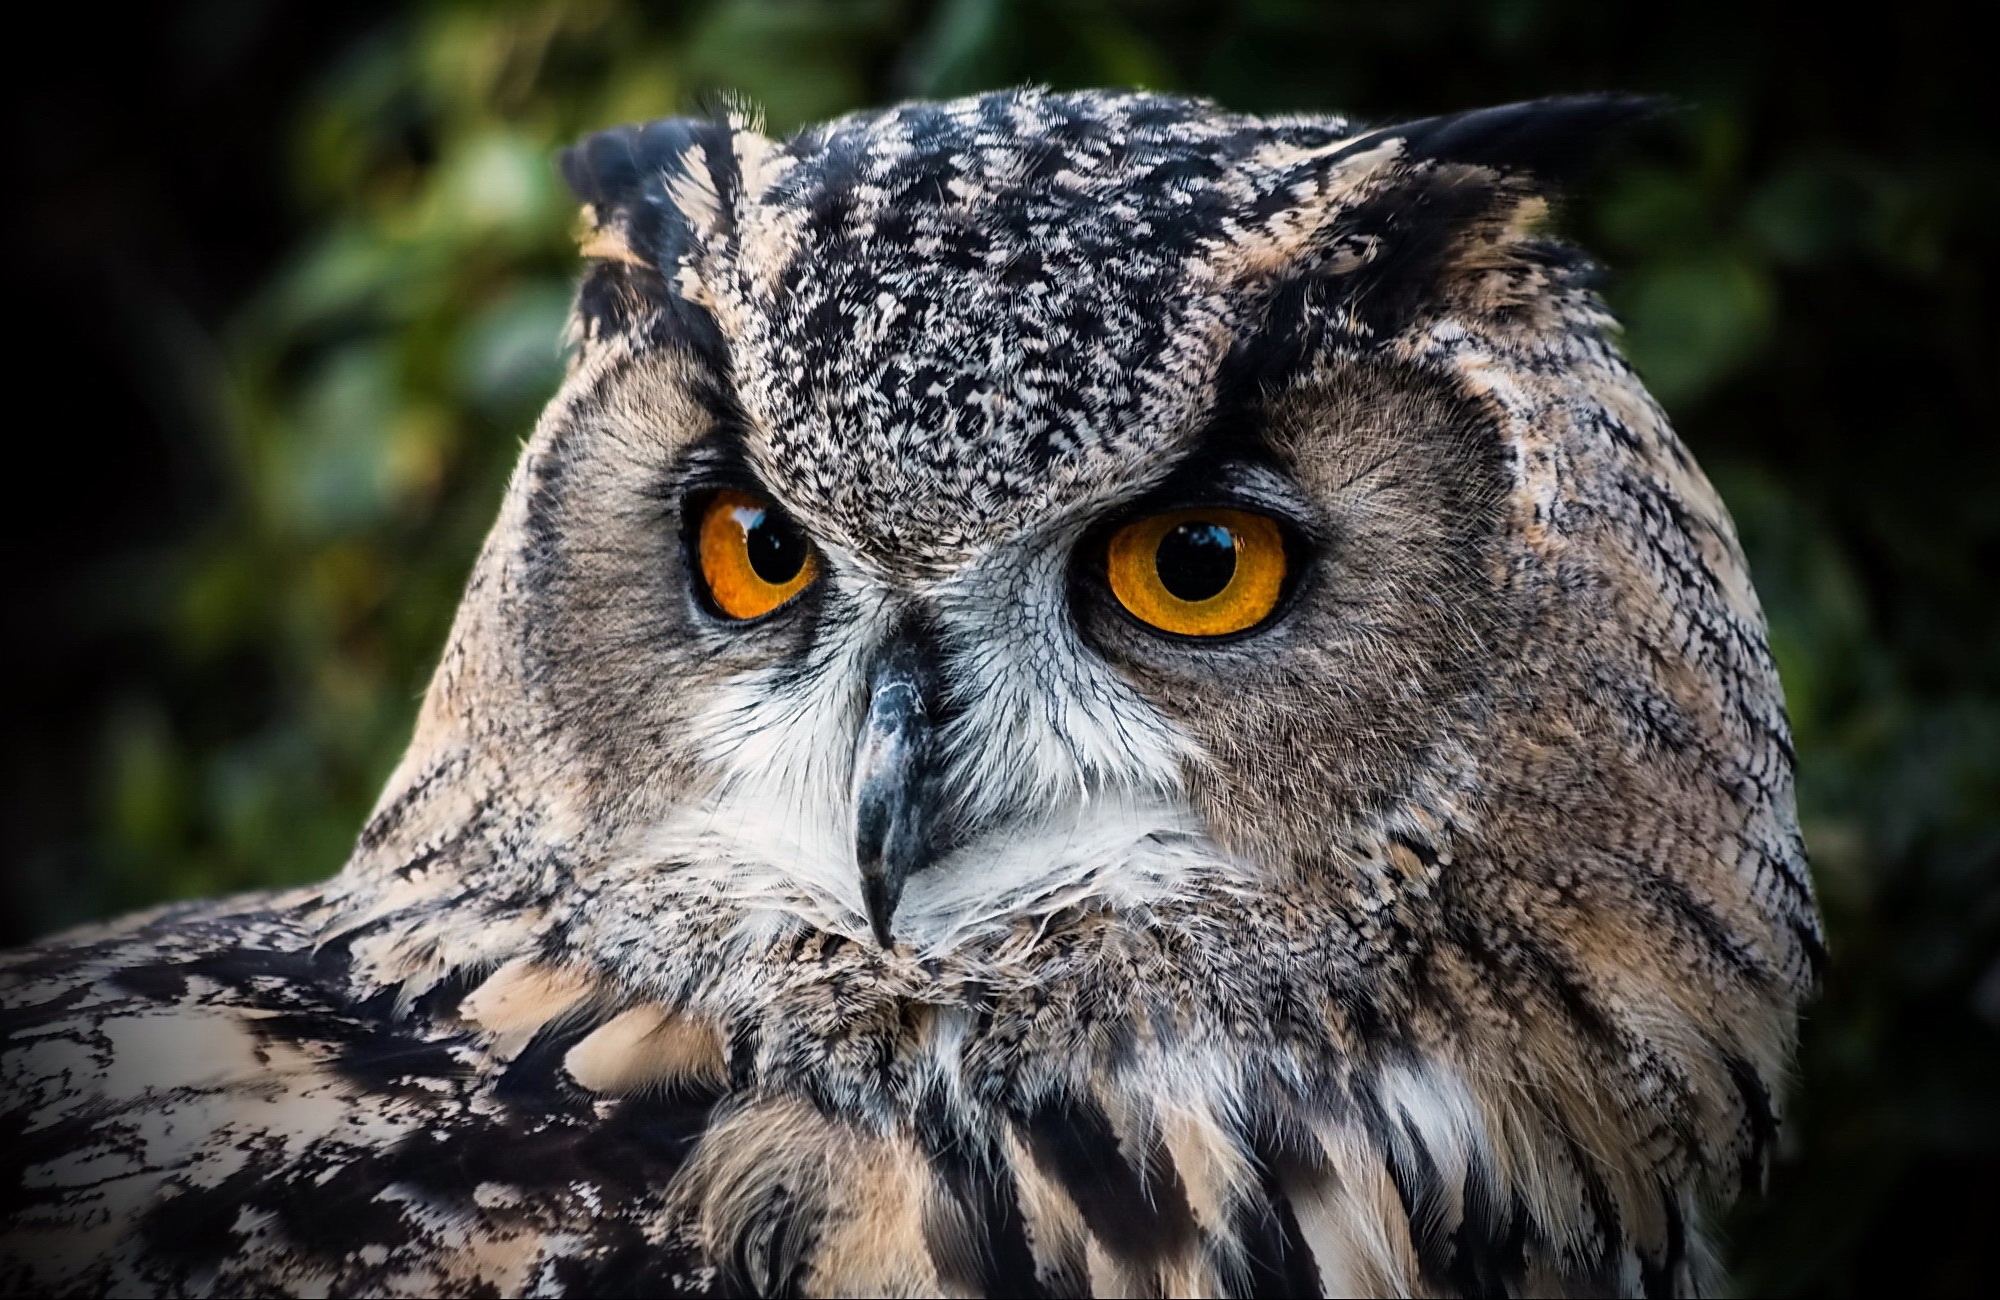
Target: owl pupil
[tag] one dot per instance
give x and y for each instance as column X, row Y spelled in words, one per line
column 1196, row 560
column 776, row 549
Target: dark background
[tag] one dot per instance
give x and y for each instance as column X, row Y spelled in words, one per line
column 286, row 280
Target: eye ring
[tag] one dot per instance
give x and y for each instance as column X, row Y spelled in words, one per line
column 1204, row 571
column 751, row 558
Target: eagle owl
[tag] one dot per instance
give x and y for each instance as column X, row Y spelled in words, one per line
column 1077, row 694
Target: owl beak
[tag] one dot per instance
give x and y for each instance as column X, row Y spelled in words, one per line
column 893, row 791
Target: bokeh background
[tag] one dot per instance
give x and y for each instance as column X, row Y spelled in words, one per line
column 287, row 286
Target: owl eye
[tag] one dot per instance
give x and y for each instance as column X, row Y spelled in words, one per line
column 1200, row 572
column 752, row 558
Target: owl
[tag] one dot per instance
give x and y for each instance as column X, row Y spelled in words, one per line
column 1077, row 694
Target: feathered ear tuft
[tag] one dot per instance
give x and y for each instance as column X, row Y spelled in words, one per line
column 1427, row 218
column 662, row 186
column 1549, row 139
column 657, row 198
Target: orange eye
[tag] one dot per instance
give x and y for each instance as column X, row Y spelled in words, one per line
column 752, row 558
column 1201, row 572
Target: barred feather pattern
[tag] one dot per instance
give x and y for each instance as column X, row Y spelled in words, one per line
column 1446, row 939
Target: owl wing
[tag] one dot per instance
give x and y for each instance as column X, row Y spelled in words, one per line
column 191, row 1102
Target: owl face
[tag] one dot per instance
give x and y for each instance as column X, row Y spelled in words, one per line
column 1209, row 665
column 989, row 547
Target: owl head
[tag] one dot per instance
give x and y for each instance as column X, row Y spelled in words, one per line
column 1091, row 592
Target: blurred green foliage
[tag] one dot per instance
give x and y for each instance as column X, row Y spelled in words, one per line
column 1805, row 279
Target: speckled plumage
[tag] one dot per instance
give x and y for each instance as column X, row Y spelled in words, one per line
column 1444, row 936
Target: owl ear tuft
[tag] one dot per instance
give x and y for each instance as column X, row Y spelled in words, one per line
column 651, row 190
column 1548, row 139
column 1442, row 215
column 655, row 197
